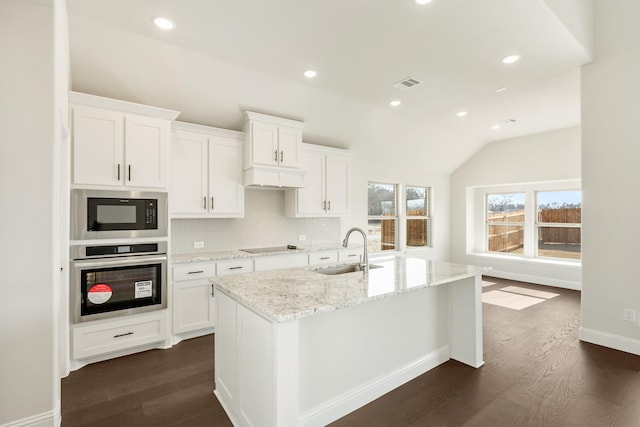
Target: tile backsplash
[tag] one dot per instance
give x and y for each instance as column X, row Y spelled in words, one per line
column 264, row 225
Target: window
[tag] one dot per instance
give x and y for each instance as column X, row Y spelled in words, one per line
column 418, row 217
column 505, row 221
column 383, row 217
column 558, row 224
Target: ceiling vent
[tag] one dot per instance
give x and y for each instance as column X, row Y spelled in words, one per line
column 407, row 83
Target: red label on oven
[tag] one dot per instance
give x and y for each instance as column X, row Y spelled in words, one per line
column 100, row 293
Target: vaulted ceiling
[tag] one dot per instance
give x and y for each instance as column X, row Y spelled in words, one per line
column 360, row 48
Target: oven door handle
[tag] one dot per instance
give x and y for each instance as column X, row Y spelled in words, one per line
column 120, row 261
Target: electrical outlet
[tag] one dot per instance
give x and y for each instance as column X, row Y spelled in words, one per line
column 629, row 315
column 198, row 245
column 302, row 237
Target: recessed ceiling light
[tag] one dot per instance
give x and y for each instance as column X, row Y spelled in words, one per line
column 495, row 127
column 310, row 74
column 164, row 23
column 501, row 89
column 395, row 103
column 461, row 113
column 423, row 1
column 510, row 59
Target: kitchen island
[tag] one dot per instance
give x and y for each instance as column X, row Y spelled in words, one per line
column 300, row 348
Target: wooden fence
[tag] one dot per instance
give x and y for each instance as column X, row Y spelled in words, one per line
column 510, row 238
column 416, row 231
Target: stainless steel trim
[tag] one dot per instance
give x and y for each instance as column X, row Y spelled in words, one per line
column 75, row 292
column 78, row 212
column 78, row 252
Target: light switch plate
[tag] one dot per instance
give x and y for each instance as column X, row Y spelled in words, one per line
column 198, row 245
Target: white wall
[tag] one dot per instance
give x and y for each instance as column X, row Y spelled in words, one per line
column 31, row 79
column 540, row 158
column 610, row 177
column 165, row 76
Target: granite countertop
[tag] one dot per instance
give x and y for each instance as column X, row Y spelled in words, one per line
column 285, row 295
column 235, row 254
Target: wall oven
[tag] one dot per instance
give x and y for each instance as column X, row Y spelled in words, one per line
column 106, row 214
column 117, row 280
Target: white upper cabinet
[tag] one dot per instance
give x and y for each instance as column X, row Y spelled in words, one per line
column 119, row 144
column 206, row 172
column 272, row 151
column 327, row 183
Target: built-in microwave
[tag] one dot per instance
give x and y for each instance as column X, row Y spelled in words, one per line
column 105, row 214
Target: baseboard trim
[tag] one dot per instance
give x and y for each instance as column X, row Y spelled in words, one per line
column 44, row 419
column 538, row 280
column 357, row 397
column 617, row 342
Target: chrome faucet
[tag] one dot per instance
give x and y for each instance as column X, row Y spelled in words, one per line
column 365, row 258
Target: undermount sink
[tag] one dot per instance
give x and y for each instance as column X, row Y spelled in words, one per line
column 342, row 269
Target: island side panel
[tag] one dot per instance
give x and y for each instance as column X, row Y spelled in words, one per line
column 466, row 321
column 352, row 356
column 226, row 354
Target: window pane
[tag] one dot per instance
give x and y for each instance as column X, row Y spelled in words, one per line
column 416, row 232
column 560, row 206
column 381, row 235
column 505, row 207
column 416, row 201
column 506, row 238
column 382, row 199
column 560, row 242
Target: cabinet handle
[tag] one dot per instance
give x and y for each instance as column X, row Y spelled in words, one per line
column 325, row 257
column 276, row 154
column 329, row 205
column 352, row 255
column 204, row 201
column 235, row 268
column 118, row 171
column 129, row 173
column 213, row 291
column 196, row 272
column 212, row 203
column 123, row 335
column 281, row 155
column 324, row 205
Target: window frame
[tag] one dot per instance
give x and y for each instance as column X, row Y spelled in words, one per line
column 538, row 224
column 405, row 218
column 476, row 236
column 396, row 218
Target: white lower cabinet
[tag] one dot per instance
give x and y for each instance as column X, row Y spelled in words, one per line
column 234, row 266
column 323, row 257
column 193, row 297
column 104, row 337
column 350, row 255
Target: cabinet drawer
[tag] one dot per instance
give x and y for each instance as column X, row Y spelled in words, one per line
column 275, row 262
column 350, row 255
column 317, row 258
column 191, row 271
column 235, row 266
column 117, row 335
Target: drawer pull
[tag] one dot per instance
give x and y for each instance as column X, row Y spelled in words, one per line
column 235, row 268
column 196, row 272
column 213, row 291
column 325, row 257
column 352, row 255
column 123, row 335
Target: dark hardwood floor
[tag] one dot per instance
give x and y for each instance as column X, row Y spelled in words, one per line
column 536, row 373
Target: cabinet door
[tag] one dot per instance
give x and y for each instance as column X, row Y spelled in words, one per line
column 338, row 173
column 193, row 306
column 225, row 177
column 264, row 144
column 146, row 151
column 189, row 173
column 98, row 138
column 310, row 198
column 289, row 141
